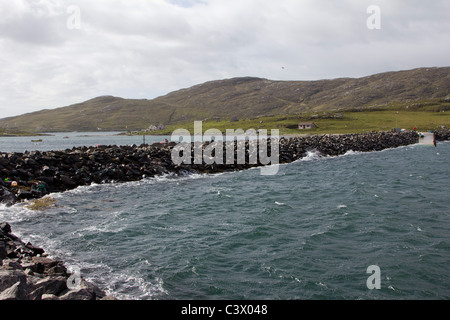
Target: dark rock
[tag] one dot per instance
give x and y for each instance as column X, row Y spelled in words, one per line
column 9, row 264
column 24, row 194
column 46, row 262
column 3, row 252
column 4, row 161
column 47, row 296
column 97, row 292
column 35, row 250
column 36, row 294
column 10, row 277
column 78, row 294
column 59, row 269
column 51, row 284
column 18, row 291
column 7, row 197
column 442, row 134
column 66, row 180
column 6, row 228
column 37, row 268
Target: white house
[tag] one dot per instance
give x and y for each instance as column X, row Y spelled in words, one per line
column 306, row 125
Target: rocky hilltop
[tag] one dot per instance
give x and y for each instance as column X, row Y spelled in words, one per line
column 240, row 98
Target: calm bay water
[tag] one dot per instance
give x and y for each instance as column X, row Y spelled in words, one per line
column 309, row 232
column 67, row 140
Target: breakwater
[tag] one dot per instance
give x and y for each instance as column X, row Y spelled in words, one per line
column 442, row 135
column 34, row 174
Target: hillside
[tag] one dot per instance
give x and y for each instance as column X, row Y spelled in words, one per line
column 242, row 98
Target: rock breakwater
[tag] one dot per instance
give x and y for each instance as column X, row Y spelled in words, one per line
column 35, row 174
column 442, row 134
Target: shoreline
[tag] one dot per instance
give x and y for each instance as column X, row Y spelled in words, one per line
column 32, row 175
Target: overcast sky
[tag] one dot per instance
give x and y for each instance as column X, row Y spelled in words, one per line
column 55, row 53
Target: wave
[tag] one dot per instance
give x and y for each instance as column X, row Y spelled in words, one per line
column 312, row 155
column 123, row 285
column 101, row 187
column 16, row 213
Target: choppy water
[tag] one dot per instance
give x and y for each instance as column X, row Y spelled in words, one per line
column 309, row 232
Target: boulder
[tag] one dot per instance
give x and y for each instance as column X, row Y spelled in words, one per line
column 96, row 290
column 46, row 262
column 7, row 197
column 36, row 294
column 3, row 252
column 66, row 180
column 35, row 250
column 47, row 296
column 10, row 277
column 50, row 285
column 79, row 294
column 4, row 161
column 9, row 264
column 18, row 291
column 58, row 270
column 5, row 227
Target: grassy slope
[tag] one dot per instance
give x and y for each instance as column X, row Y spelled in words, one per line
column 353, row 122
column 423, row 118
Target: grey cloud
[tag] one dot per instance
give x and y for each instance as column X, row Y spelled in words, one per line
column 155, row 46
column 31, row 22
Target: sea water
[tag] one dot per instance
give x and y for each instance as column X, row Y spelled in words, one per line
column 309, row 232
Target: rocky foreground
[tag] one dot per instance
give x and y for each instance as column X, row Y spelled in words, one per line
column 25, row 271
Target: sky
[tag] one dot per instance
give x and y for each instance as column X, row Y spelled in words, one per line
column 55, row 53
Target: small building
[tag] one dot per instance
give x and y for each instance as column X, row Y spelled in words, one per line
column 306, row 125
column 155, row 127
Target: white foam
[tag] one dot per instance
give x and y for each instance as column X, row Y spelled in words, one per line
column 312, row 155
column 141, row 288
column 16, row 213
column 101, row 274
column 97, row 229
column 351, row 152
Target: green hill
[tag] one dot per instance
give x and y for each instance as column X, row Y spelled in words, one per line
column 247, row 98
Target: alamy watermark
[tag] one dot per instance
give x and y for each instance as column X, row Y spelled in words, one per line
column 73, row 22
column 374, row 280
column 74, row 280
column 374, row 20
column 249, row 147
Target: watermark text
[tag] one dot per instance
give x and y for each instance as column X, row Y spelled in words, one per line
column 250, row 147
